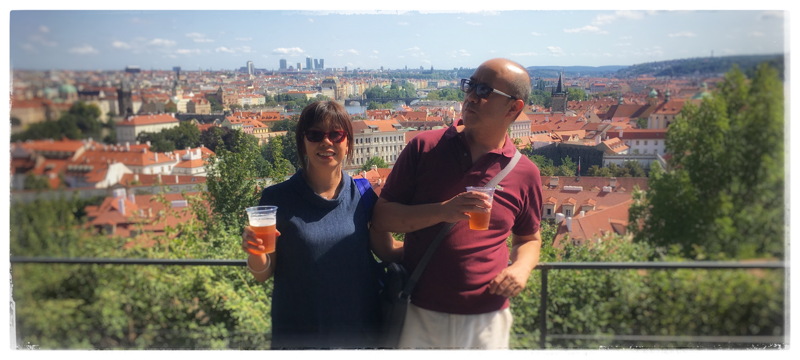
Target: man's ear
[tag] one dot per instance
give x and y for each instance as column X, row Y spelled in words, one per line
column 518, row 106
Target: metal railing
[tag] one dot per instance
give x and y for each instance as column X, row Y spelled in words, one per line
column 545, row 268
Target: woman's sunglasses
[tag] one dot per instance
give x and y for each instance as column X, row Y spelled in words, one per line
column 482, row 90
column 335, row 136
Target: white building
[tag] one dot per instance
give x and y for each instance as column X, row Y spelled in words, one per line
column 377, row 138
column 644, row 146
column 130, row 128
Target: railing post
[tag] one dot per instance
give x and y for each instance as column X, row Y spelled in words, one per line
column 543, row 312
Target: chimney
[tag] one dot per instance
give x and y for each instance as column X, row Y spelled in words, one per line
column 127, row 146
column 559, row 218
column 613, row 182
column 176, row 179
column 156, row 156
column 136, row 177
column 121, row 202
column 131, row 197
column 569, row 224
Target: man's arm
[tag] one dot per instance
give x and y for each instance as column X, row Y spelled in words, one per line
column 401, row 218
column 524, row 258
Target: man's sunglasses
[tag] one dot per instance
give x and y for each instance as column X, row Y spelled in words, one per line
column 335, row 136
column 482, row 90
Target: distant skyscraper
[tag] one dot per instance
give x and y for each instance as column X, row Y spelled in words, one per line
column 299, row 67
column 308, row 63
column 322, row 64
column 250, row 68
column 283, row 64
column 316, row 64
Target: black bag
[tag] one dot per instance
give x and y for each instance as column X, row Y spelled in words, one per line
column 394, row 303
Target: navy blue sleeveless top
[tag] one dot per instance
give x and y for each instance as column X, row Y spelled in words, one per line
column 325, row 291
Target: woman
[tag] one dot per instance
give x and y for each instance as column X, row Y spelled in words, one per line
column 326, row 285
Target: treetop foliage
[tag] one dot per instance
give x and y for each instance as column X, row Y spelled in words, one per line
column 722, row 196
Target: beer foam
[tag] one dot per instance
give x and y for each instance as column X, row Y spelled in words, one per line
column 262, row 220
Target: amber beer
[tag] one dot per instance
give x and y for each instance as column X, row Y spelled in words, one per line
column 265, row 230
column 262, row 219
column 479, row 220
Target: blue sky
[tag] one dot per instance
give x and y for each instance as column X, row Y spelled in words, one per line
column 370, row 39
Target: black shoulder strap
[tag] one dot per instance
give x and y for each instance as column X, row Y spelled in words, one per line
column 423, row 263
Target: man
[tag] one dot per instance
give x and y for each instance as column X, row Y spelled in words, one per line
column 462, row 298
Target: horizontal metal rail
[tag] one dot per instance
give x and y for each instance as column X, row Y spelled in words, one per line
column 545, row 268
column 541, row 266
column 101, row 261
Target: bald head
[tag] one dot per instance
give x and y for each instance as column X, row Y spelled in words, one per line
column 512, row 73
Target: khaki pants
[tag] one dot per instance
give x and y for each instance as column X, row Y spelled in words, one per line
column 425, row 329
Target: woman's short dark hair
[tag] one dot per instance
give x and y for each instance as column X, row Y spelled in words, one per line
column 329, row 114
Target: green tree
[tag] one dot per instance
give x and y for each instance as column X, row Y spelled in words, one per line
column 576, row 94
column 81, row 121
column 278, row 167
column 375, row 160
column 567, row 167
column 448, row 94
column 545, row 165
column 232, row 183
column 80, row 306
column 599, row 171
column 722, row 196
column 36, row 182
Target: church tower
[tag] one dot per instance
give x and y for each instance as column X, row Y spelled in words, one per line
column 559, row 97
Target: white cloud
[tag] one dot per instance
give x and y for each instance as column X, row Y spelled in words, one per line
column 121, row 45
column 587, row 28
column 223, row 49
column 187, row 51
column 556, row 50
column 84, row 50
column 605, row 19
column 403, row 23
column 38, row 39
column 288, row 51
column 757, row 34
column 161, row 42
column 198, row 37
column 682, row 34
column 44, row 29
column 536, row 34
column 472, row 23
column 460, row 53
column 243, row 39
column 529, row 53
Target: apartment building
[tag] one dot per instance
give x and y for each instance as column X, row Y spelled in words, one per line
column 130, row 128
column 377, row 138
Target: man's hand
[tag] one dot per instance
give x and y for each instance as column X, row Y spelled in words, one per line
column 509, row 282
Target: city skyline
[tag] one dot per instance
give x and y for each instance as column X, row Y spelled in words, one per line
column 360, row 39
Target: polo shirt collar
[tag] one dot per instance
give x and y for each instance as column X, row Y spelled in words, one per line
column 507, row 150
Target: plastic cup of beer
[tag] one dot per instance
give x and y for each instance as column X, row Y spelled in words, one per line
column 479, row 220
column 262, row 220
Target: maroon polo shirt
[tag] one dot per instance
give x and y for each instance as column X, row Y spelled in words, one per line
column 436, row 166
